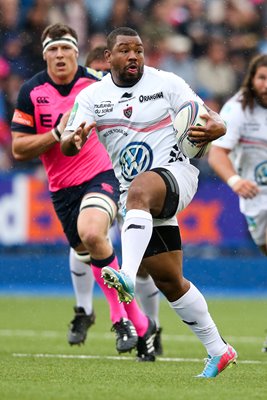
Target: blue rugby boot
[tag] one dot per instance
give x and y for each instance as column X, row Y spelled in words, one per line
column 217, row 364
column 119, row 281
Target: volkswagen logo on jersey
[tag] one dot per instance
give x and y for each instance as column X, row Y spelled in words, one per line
column 261, row 173
column 135, row 158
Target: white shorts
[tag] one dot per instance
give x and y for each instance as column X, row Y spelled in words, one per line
column 257, row 226
column 186, row 176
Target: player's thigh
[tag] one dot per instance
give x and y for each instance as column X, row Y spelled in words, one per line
column 147, row 191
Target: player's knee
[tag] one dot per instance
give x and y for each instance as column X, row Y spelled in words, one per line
column 138, row 197
column 100, row 202
column 92, row 237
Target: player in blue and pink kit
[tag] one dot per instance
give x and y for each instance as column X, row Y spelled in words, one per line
column 83, row 189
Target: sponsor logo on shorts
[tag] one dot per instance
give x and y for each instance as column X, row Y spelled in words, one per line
column 107, row 187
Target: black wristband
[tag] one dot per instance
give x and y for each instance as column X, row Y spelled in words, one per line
column 57, row 135
column 57, row 132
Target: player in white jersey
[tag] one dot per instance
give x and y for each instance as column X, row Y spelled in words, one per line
column 240, row 157
column 133, row 111
column 146, row 291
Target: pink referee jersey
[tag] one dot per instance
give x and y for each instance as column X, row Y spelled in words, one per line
column 40, row 106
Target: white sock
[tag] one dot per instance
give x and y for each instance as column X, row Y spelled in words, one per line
column 193, row 310
column 149, row 297
column 83, row 282
column 135, row 236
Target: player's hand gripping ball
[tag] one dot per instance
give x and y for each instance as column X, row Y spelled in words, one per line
column 189, row 115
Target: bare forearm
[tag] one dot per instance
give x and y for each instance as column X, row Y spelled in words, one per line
column 221, row 163
column 26, row 147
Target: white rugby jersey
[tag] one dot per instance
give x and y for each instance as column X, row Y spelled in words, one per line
column 246, row 136
column 135, row 123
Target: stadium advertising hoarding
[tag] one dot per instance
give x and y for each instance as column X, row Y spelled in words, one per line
column 27, row 215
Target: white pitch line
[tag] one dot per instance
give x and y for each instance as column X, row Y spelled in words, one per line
column 109, row 336
column 119, row 358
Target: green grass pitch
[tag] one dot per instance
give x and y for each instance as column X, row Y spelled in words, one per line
column 36, row 362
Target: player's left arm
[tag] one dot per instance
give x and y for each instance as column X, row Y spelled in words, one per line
column 215, row 127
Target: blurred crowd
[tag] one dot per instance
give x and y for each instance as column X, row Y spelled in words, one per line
column 207, row 42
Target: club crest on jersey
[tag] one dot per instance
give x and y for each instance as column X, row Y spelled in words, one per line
column 128, row 112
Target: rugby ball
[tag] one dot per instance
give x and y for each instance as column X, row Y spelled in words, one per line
column 188, row 115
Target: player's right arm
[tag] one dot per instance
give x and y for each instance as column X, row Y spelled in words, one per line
column 220, row 162
column 26, row 147
column 27, row 143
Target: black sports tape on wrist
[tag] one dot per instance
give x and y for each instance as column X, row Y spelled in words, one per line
column 57, row 132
